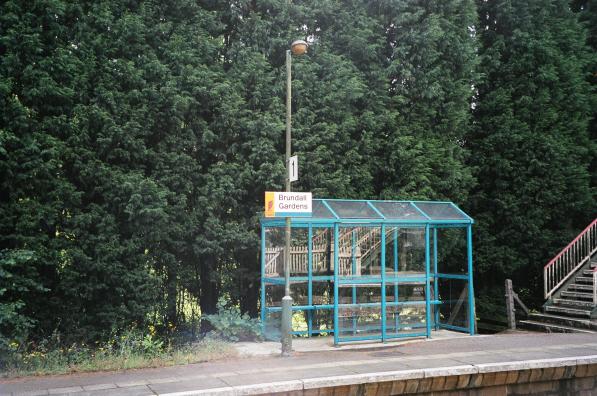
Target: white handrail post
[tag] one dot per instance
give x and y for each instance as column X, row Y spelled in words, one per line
column 594, row 287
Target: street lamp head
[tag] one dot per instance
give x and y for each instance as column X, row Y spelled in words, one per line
column 298, row 47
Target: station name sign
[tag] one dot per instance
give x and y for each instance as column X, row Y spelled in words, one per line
column 288, row 204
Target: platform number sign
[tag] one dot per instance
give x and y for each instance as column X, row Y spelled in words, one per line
column 293, row 168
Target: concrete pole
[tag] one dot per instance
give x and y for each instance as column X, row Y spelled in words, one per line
column 286, row 325
column 510, row 305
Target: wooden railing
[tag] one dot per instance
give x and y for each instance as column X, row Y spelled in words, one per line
column 570, row 259
column 274, row 260
column 368, row 240
column 345, row 238
column 321, row 237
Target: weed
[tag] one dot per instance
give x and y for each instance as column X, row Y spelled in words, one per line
column 229, row 324
column 131, row 350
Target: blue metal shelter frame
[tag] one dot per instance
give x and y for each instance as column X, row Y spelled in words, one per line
column 342, row 218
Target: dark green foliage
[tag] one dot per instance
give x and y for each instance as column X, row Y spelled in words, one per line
column 18, row 281
column 37, row 80
column 587, row 15
column 137, row 139
column 432, row 69
column 530, row 148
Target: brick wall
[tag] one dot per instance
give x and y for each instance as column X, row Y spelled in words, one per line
column 577, row 380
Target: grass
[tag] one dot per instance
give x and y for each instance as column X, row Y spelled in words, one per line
column 76, row 360
column 130, row 348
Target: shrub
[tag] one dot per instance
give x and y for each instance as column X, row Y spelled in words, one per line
column 134, row 341
column 229, row 324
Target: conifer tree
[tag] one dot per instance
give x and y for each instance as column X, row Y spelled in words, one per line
column 587, row 15
column 432, row 61
column 529, row 146
column 37, row 91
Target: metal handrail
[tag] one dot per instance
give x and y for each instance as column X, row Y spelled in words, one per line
column 571, row 258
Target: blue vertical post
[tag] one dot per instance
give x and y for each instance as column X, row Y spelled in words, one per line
column 310, row 311
column 383, row 283
column 263, row 279
column 427, row 287
column 336, row 324
column 354, row 271
column 471, row 294
column 395, row 279
column 435, row 279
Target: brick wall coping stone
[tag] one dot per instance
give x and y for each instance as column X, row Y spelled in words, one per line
column 386, row 376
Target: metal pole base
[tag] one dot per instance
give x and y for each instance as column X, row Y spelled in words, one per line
column 286, row 326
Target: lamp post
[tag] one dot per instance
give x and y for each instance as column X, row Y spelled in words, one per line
column 298, row 47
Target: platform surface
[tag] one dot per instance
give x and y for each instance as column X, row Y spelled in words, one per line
column 268, row 373
column 322, row 344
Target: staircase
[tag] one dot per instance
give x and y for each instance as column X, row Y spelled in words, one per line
column 366, row 242
column 570, row 287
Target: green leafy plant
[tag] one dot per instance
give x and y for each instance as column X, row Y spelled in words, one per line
column 151, row 345
column 229, row 324
column 134, row 341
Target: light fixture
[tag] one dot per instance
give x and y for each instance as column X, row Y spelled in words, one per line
column 299, row 47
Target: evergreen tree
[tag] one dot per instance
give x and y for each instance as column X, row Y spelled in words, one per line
column 137, row 139
column 587, row 15
column 431, row 50
column 529, row 147
column 38, row 89
column 140, row 155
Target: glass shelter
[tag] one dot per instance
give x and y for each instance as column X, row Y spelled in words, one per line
column 371, row 270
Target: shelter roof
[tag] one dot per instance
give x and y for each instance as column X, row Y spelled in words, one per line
column 376, row 211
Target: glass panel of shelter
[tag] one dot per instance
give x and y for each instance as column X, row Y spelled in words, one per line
column 353, row 209
column 441, row 211
column 272, row 286
column 452, row 287
column 358, row 283
column 320, row 316
column 405, row 282
column 399, row 210
column 311, row 276
column 370, row 271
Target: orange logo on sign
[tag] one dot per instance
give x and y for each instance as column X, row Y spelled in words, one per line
column 269, row 204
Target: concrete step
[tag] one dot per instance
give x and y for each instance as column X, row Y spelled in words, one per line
column 580, row 287
column 580, row 304
column 564, row 321
column 584, row 313
column 551, row 328
column 588, row 272
column 577, row 295
column 587, row 280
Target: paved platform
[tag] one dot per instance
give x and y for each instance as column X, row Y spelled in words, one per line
column 323, row 344
column 304, row 370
